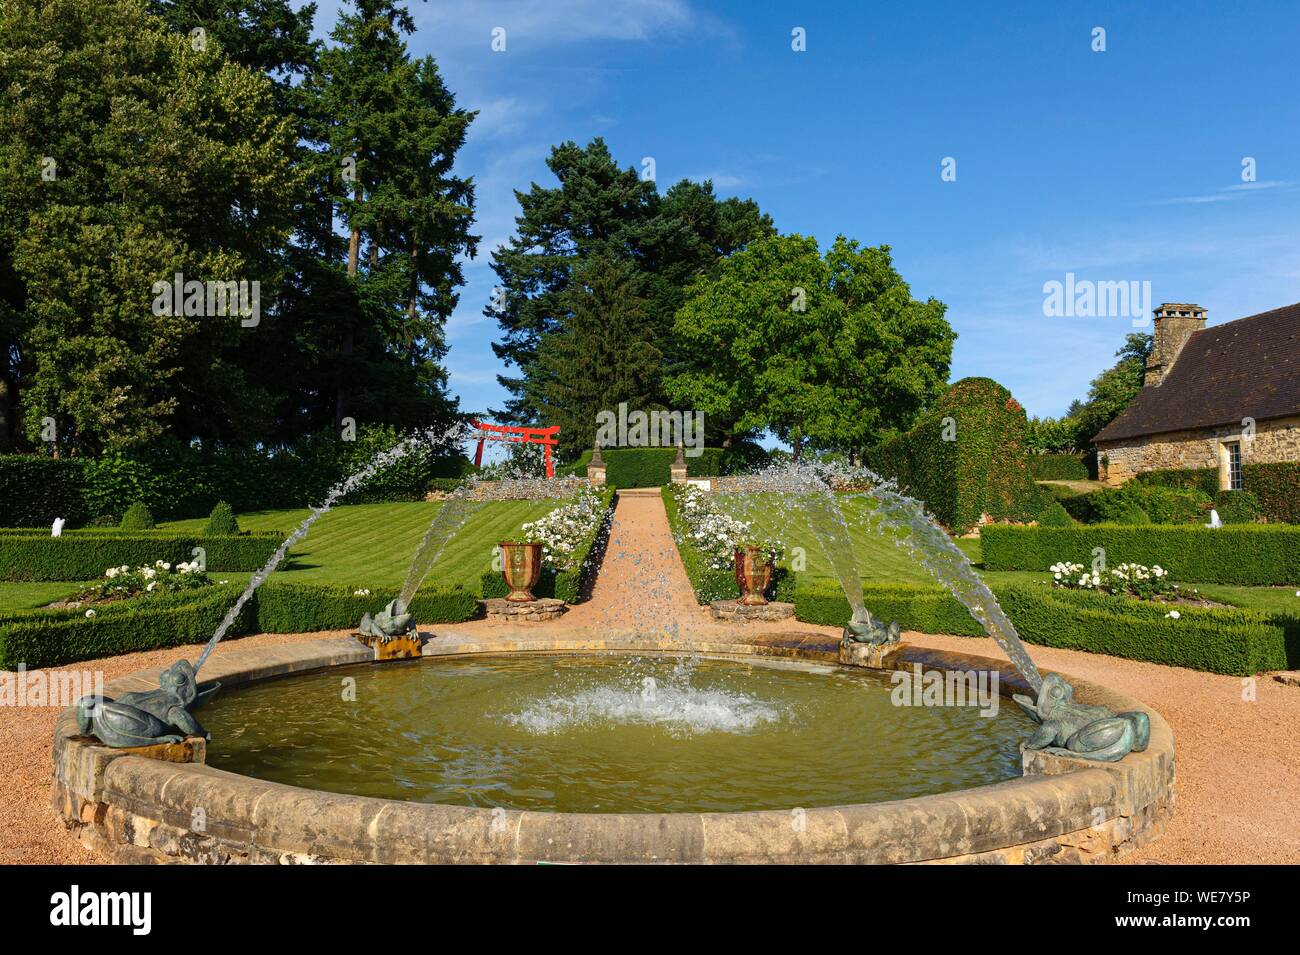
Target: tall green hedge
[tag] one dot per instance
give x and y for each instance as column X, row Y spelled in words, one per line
column 35, row 490
column 1252, row 554
column 983, row 468
column 648, row 467
column 85, row 555
column 177, row 481
column 1059, row 467
column 708, row 582
column 571, row 586
column 47, row 638
column 1276, row 485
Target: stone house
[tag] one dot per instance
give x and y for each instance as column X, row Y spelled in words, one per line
column 1211, row 397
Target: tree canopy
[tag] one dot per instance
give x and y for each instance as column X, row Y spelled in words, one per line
column 830, row 351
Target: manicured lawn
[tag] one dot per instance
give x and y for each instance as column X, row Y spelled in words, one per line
column 879, row 556
column 29, row 596
column 363, row 544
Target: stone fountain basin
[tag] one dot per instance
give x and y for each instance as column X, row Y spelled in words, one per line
column 132, row 808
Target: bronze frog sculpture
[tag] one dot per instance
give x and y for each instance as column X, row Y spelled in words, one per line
column 152, row 716
column 863, row 628
column 1081, row 729
column 391, row 622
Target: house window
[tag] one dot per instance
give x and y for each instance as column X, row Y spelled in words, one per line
column 1232, row 466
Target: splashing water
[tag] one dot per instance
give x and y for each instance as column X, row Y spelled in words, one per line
column 349, row 484
column 674, row 706
column 813, row 488
column 462, row 504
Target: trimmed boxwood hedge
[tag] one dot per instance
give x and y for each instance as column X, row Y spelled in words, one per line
column 1276, row 485
column 983, row 468
column 1230, row 641
column 84, row 555
column 284, row 607
column 571, row 586
column 924, row 607
column 47, row 638
column 709, row 583
column 1235, row 642
column 1252, row 554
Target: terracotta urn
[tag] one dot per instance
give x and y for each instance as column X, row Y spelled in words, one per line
column 753, row 574
column 521, row 566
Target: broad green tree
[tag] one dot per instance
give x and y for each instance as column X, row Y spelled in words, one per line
column 825, row 351
column 128, row 155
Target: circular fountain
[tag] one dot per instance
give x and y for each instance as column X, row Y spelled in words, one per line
column 724, row 745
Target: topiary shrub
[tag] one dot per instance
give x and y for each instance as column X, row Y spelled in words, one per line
column 1054, row 515
column 1133, row 515
column 966, row 457
column 221, row 521
column 137, row 518
column 1237, row 507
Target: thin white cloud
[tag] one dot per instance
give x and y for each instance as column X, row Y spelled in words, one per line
column 531, row 24
column 1227, row 193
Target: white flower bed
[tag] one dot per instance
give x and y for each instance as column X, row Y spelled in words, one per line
column 1134, row 580
column 161, row 577
column 564, row 530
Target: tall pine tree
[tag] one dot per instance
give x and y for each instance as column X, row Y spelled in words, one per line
column 604, row 354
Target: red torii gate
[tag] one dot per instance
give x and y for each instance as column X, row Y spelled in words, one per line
column 517, row 434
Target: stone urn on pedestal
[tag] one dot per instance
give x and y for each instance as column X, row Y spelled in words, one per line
column 521, row 566
column 753, row 574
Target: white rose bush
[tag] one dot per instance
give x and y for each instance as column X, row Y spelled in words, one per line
column 161, row 577
column 564, row 532
column 714, row 532
column 1126, row 580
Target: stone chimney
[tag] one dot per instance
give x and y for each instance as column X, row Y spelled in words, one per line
column 1174, row 325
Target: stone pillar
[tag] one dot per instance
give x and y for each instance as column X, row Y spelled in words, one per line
column 596, row 467
column 678, row 469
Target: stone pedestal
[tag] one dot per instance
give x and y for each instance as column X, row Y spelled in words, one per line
column 735, row 610
column 872, row 656
column 405, row 647
column 528, row 611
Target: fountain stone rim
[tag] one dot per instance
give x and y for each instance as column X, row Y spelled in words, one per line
column 137, row 809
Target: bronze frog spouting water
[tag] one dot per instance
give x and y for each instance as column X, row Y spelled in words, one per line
column 391, row 622
column 151, row 716
column 1082, row 729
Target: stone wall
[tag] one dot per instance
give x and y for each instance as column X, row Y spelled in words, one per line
column 1275, row 441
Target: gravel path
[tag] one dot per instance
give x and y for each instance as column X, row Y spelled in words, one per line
column 1238, row 742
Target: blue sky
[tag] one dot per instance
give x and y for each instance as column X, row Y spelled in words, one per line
column 1123, row 165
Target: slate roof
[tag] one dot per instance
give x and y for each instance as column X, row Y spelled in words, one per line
column 1246, row 368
